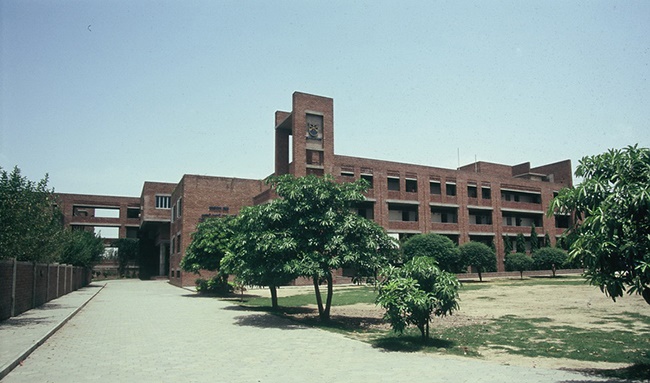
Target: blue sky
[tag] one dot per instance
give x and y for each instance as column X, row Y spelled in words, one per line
column 104, row 95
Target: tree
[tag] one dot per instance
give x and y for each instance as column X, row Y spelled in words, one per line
column 436, row 246
column 416, row 292
column 507, row 245
column 262, row 251
column 549, row 258
column 518, row 262
column 520, row 244
column 316, row 214
column 210, row 243
column 30, row 223
column 127, row 251
column 81, row 248
column 611, row 234
column 547, row 240
column 534, row 241
column 479, row 256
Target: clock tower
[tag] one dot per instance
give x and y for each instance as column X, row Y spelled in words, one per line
column 304, row 137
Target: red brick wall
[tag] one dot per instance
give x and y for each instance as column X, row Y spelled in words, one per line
column 30, row 276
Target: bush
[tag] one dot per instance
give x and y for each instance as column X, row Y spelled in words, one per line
column 416, row 292
column 435, row 246
column 479, row 256
column 215, row 285
column 550, row 258
column 518, row 262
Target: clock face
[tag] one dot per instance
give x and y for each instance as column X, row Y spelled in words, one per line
column 312, row 129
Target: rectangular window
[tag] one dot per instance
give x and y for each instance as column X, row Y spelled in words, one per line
column 472, row 192
column 133, row 212
column 162, row 201
column 179, row 208
column 347, row 174
column 368, row 177
column 486, row 193
column 434, row 187
column 444, row 214
column 450, row 189
column 178, row 243
column 393, row 183
column 404, row 213
column 411, row 186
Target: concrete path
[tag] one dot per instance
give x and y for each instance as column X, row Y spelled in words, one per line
column 154, row 332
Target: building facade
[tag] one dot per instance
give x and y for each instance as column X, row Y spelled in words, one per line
column 482, row 201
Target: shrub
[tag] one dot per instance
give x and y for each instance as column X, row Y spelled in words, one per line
column 215, row 285
column 479, row 256
column 550, row 258
column 518, row 262
column 435, row 246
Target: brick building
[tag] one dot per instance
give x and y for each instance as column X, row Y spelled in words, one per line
column 481, row 201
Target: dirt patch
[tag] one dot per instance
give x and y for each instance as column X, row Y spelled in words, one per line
column 575, row 305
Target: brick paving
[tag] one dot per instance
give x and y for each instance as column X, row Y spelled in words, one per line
column 154, row 332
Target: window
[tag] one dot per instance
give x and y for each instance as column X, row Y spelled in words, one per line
column 434, row 187
column 132, row 232
column 179, row 208
column 393, row 183
column 472, row 192
column 444, row 214
column 480, row 217
column 450, row 189
column 162, row 201
column 486, row 193
column 402, row 212
column 411, row 185
column 347, row 174
column 178, row 243
column 368, row 177
column 133, row 212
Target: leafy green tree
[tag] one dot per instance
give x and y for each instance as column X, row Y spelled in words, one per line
column 518, row 262
column 415, row 292
column 209, row 245
column 520, row 243
column 611, row 234
column 262, row 250
column 547, row 240
column 507, row 245
column 549, row 258
column 436, row 246
column 30, row 224
column 316, row 213
column 128, row 251
column 534, row 241
column 81, row 248
column 479, row 256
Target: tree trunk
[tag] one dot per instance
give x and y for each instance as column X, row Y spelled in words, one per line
column 427, row 328
column 422, row 332
column 328, row 303
column 480, row 277
column 646, row 295
column 319, row 300
column 521, row 274
column 274, row 297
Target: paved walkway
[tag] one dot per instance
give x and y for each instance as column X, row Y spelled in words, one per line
column 154, row 332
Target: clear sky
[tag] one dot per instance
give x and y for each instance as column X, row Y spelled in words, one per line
column 104, row 95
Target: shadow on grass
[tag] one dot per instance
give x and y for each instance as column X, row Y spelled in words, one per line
column 407, row 343
column 635, row 372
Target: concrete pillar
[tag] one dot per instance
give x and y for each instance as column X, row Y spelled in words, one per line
column 161, row 259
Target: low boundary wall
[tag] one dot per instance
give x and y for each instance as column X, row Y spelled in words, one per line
column 26, row 285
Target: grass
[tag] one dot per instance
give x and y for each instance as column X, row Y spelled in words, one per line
column 511, row 334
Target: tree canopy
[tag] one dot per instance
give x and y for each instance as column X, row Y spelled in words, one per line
column 210, row 243
column 518, row 262
column 480, row 256
column 81, row 248
column 262, row 251
column 549, row 258
column 315, row 213
column 611, row 231
column 436, row 246
column 30, row 223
